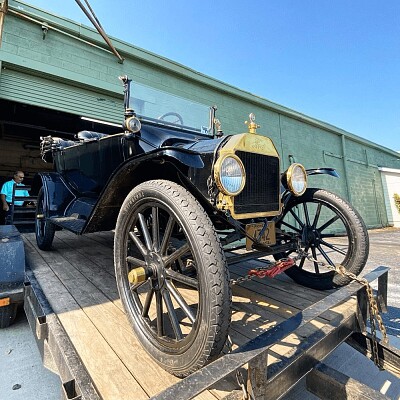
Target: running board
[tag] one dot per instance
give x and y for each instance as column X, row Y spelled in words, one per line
column 72, row 224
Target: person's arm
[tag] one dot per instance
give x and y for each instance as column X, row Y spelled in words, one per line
column 3, row 202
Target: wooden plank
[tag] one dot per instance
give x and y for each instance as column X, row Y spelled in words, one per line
column 97, row 356
column 112, row 324
column 273, row 300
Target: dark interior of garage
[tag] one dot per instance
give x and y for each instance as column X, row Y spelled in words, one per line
column 21, row 127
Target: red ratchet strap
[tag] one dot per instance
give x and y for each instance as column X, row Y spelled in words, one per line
column 279, row 266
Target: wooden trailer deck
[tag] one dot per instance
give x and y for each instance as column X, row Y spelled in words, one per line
column 78, row 282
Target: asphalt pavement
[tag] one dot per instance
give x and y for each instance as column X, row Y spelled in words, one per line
column 23, row 377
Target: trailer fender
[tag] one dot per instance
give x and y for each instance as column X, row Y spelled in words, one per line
column 12, row 273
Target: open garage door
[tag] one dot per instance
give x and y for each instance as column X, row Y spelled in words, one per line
column 38, row 91
column 31, row 107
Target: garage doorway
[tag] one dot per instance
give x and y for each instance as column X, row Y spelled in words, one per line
column 22, row 125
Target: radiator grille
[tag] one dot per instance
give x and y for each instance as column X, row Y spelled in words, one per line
column 262, row 190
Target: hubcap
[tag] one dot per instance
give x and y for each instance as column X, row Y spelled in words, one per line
column 310, row 236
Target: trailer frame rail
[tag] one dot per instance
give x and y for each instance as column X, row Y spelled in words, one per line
column 277, row 379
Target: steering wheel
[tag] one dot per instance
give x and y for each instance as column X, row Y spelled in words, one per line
column 178, row 118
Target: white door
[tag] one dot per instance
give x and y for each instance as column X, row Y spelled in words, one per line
column 391, row 185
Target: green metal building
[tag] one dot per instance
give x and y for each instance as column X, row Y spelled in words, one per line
column 54, row 71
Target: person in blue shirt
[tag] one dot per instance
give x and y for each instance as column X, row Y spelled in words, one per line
column 7, row 190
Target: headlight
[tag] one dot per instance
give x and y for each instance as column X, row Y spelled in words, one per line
column 230, row 175
column 295, row 179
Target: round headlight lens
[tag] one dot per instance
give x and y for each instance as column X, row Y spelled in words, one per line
column 230, row 175
column 297, row 179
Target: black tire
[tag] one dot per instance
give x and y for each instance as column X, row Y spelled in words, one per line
column 331, row 231
column 44, row 229
column 7, row 315
column 181, row 314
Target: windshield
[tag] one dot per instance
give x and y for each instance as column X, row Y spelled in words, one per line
column 162, row 107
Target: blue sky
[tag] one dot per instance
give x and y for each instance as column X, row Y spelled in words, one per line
column 337, row 61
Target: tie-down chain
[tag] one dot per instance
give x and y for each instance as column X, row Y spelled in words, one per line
column 271, row 269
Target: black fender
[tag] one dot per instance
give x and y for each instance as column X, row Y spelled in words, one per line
column 187, row 157
column 167, row 163
column 322, row 171
column 287, row 195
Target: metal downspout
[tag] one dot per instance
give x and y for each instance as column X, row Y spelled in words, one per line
column 346, row 175
column 3, row 12
column 377, row 208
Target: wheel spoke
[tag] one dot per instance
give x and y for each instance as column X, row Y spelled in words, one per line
column 172, row 314
column 167, row 235
column 136, row 261
column 291, row 226
column 176, row 254
column 314, row 253
column 181, row 301
column 138, row 243
column 317, row 214
column 307, row 217
column 160, row 317
column 136, row 287
column 330, row 222
column 187, row 280
column 147, row 303
column 325, row 255
column 145, row 232
column 155, row 228
column 296, row 217
column 301, row 265
column 334, row 248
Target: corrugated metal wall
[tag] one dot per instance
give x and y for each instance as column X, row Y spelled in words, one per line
column 44, row 92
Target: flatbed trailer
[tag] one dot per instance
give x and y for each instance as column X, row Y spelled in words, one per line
column 280, row 331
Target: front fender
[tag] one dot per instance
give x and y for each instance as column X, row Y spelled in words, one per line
column 287, row 195
column 186, row 157
column 165, row 163
column 322, row 171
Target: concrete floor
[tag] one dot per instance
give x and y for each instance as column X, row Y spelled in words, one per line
column 22, row 375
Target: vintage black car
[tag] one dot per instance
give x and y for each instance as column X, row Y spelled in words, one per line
column 178, row 198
